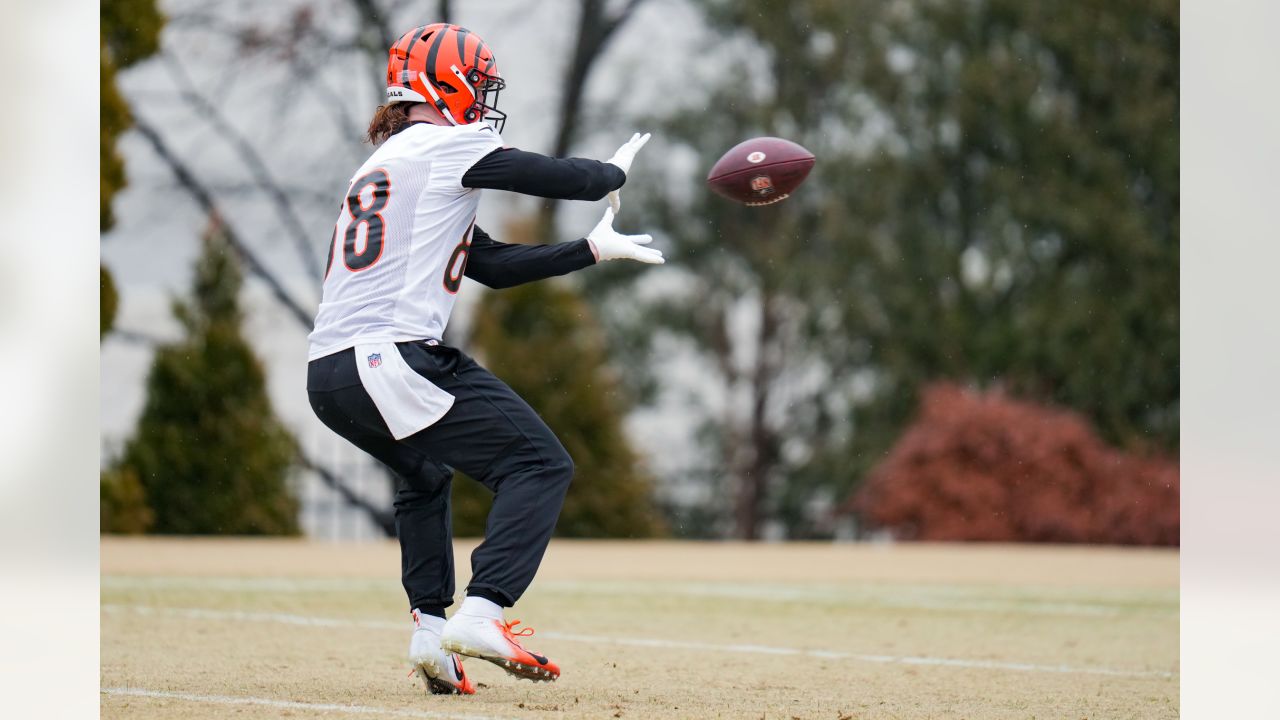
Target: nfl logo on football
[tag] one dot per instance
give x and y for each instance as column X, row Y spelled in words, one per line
column 375, row 360
column 761, row 185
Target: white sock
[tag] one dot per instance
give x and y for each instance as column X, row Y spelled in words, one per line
column 479, row 607
column 430, row 622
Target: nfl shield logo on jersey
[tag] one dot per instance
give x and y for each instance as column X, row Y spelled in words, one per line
column 375, row 360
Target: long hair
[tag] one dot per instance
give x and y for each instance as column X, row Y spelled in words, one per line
column 387, row 121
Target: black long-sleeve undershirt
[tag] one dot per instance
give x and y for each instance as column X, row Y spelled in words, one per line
column 502, row 265
column 531, row 173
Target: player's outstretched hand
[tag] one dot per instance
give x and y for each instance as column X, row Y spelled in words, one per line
column 609, row 245
column 622, row 159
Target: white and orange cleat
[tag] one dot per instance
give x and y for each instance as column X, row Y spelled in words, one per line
column 484, row 636
column 441, row 671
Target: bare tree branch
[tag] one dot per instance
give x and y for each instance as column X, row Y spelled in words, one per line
column 206, row 201
column 596, row 27
column 384, row 519
column 135, row 337
column 239, row 189
column 321, row 48
column 305, row 75
column 252, row 39
column 374, row 36
column 261, row 175
column 209, row 204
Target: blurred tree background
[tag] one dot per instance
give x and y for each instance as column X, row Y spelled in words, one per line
column 612, row 494
column 570, row 383
column 995, row 205
column 130, row 33
column 543, row 340
column 209, row 454
column 995, row 202
column 983, row 466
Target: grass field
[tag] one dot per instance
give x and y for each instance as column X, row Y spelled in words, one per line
column 270, row 628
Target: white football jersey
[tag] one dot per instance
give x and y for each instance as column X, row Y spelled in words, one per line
column 400, row 243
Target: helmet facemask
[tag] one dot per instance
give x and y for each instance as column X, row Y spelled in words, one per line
column 487, row 100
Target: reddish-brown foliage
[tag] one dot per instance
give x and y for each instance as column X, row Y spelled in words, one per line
column 976, row 466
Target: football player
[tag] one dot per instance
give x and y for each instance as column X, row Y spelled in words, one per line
column 379, row 376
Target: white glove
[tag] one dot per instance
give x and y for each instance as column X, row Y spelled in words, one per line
column 607, row 244
column 622, row 159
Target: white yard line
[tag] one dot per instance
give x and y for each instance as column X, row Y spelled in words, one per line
column 867, row 596
column 246, row 584
column 873, row 596
column 291, row 619
column 290, row 704
column 270, row 617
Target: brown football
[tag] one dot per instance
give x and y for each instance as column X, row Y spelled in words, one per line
column 760, row 171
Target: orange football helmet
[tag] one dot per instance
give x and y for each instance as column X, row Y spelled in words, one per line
column 449, row 67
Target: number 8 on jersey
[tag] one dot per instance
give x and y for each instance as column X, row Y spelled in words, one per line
column 379, row 187
column 401, row 239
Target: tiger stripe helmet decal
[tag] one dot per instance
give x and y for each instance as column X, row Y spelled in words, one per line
column 450, row 67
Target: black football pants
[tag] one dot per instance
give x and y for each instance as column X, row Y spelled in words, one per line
column 490, row 434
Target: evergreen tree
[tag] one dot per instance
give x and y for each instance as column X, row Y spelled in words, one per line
column 995, row 201
column 209, row 452
column 123, row 504
column 130, row 32
column 108, row 301
column 543, row 341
